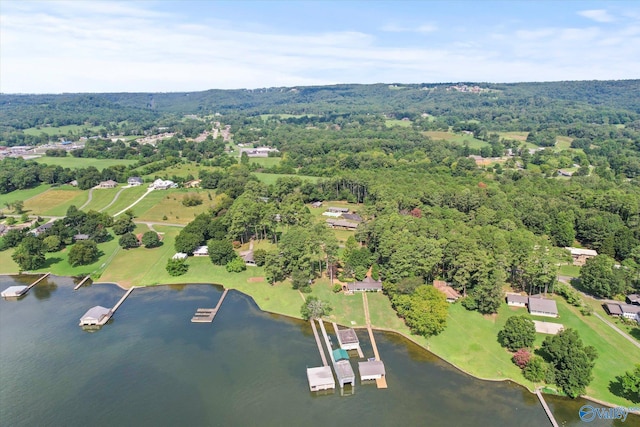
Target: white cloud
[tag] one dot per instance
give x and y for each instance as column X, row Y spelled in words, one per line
column 395, row 28
column 598, row 15
column 90, row 48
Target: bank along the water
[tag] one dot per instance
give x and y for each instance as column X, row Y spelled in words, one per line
column 152, row 366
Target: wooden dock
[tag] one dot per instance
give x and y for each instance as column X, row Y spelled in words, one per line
column 315, row 334
column 124, row 297
column 81, row 283
column 380, row 382
column 38, row 281
column 554, row 423
column 206, row 315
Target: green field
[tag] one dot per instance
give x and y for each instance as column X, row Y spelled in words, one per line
column 126, row 198
column 56, row 201
column 61, row 130
column 456, row 138
column 160, row 203
column 57, row 262
column 22, row 195
column 266, row 162
column 181, row 170
column 569, row 270
column 76, row 163
column 101, row 197
column 395, row 122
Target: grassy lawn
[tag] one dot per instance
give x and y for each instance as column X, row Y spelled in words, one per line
column 271, row 178
column 563, row 142
column 266, row 162
column 101, row 198
column 22, row 194
column 56, row 201
column 569, row 270
column 347, row 309
column 456, row 138
column 180, row 169
column 57, row 262
column 168, row 203
column 125, row 199
column 60, row 130
column 395, row 122
column 76, row 163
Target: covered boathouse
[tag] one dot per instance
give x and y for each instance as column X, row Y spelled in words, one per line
column 371, row 370
column 96, row 316
column 14, row 291
column 320, row 378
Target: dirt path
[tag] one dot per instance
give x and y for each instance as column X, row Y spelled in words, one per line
column 150, row 224
column 114, row 199
column 88, row 200
column 134, row 203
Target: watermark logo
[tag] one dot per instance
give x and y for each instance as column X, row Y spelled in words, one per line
column 589, row 413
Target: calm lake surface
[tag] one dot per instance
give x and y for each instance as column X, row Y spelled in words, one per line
column 150, row 366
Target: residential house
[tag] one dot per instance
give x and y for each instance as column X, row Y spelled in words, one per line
column 108, row 184
column 338, row 210
column 580, row 256
column 629, row 311
column 179, row 255
column 366, row 285
column 451, row 294
column 161, row 184
column 340, row 223
column 81, row 237
column 633, row 299
column 352, row 217
column 134, row 181
column 517, row 300
column 201, row 251
column 248, row 259
column 41, row 229
column 316, row 204
column 539, row 306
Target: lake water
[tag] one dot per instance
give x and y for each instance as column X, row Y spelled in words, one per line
column 150, row 366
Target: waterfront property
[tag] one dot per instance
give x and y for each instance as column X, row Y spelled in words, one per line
column 451, row 294
column 206, row 315
column 347, row 338
column 14, row 291
column 371, row 370
column 343, row 368
column 366, row 285
column 320, row 378
column 537, row 305
column 340, row 354
column 96, row 316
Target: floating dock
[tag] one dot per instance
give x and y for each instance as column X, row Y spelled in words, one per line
column 15, row 292
column 321, row 377
column 554, row 423
column 343, row 368
column 206, row 315
column 82, row 283
column 381, row 382
column 99, row 316
column 348, row 340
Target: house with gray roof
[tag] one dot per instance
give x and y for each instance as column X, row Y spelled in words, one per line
column 539, row 306
column 366, row 285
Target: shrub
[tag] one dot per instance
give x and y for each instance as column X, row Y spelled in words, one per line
column 521, row 357
column 177, row 267
column 236, row 265
column 236, row 244
column 517, row 333
column 259, row 256
column 337, row 288
column 535, row 370
column 191, row 199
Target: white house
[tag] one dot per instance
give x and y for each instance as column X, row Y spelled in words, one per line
column 517, row 300
column 201, row 251
column 134, row 181
column 580, row 256
column 179, row 255
column 539, row 306
column 162, row 184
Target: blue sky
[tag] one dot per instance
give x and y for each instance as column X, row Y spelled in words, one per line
column 140, row 46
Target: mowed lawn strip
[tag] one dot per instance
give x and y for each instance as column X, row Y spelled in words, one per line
column 56, row 201
column 126, row 198
column 160, row 203
column 100, row 198
column 22, row 195
column 271, row 178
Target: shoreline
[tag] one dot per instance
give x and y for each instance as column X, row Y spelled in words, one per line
column 376, row 328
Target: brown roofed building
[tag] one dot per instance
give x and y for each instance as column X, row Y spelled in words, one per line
column 451, row 294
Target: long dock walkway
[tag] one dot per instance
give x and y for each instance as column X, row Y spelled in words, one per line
column 81, row 283
column 124, row 297
column 38, row 281
column 206, row 315
column 315, row 334
column 554, row 423
column 380, row 382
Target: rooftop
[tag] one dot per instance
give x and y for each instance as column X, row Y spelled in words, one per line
column 320, row 376
column 371, row 368
column 542, row 305
column 580, row 251
column 348, row 336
